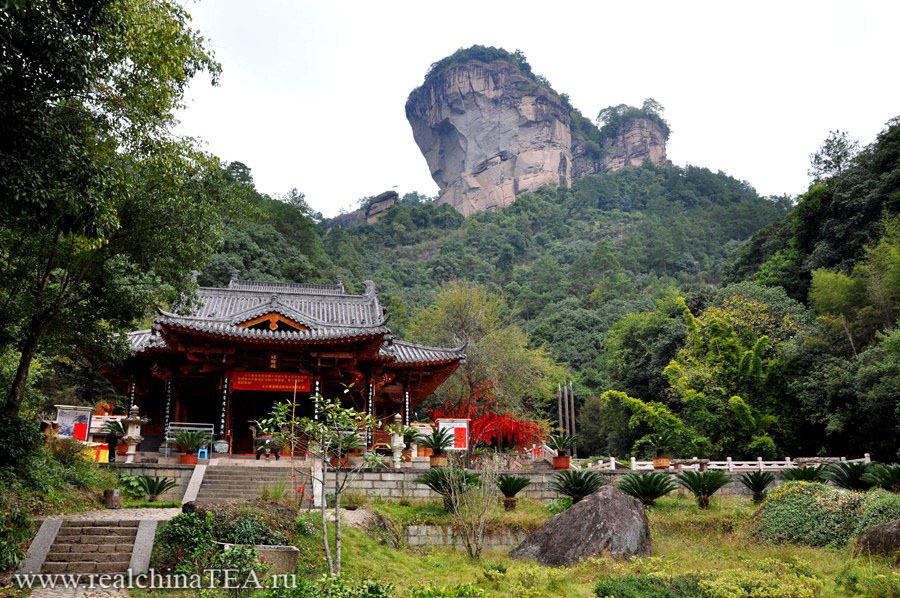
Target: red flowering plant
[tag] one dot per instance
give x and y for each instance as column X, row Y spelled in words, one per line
column 487, row 425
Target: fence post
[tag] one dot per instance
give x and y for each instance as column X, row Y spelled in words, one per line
column 730, row 464
column 612, row 463
column 787, row 463
column 759, row 460
column 867, row 458
column 843, row 459
column 633, row 464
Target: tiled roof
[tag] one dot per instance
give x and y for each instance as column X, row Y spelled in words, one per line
column 327, row 311
column 404, row 352
column 324, row 304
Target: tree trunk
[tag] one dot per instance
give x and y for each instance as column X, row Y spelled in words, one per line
column 337, row 523
column 322, row 506
column 29, row 348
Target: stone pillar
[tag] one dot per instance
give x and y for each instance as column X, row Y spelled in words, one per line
column 318, row 478
column 397, row 442
column 133, row 437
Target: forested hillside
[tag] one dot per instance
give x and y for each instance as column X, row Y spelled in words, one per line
column 677, row 298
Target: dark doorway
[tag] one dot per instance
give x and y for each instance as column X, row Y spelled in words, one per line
column 250, row 405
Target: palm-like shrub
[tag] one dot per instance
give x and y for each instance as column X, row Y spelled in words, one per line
column 647, row 487
column 757, row 482
column 153, row 487
column 510, row 485
column 884, row 476
column 561, row 443
column 813, row 473
column 848, row 476
column 438, row 441
column 191, row 440
column 441, row 482
column 115, row 426
column 577, row 483
column 703, row 484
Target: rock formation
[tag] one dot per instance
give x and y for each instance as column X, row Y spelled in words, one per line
column 490, row 130
column 881, row 539
column 606, row 522
column 370, row 213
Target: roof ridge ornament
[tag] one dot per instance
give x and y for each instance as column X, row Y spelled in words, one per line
column 235, row 274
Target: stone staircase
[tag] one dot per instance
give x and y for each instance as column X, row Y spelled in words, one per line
column 244, row 483
column 91, row 547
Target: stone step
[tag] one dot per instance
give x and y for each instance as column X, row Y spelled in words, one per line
column 123, row 556
column 102, row 532
column 84, row 567
column 117, row 523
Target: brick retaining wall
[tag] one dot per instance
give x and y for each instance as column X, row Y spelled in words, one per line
column 400, row 483
column 442, row 536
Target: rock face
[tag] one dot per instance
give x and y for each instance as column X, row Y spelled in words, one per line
column 369, row 214
column 489, row 132
column 606, row 522
column 881, row 539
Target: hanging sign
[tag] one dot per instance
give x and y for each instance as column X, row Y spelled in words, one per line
column 74, row 422
column 270, row 381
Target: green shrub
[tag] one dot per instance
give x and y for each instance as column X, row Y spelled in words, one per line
column 878, row 506
column 353, row 500
column 559, row 505
column 19, row 440
column 130, row 485
column 441, row 482
column 333, row 588
column 884, row 476
column 250, row 529
column 865, row 582
column 703, row 484
column 304, row 526
column 67, row 451
column 808, row 513
column 152, row 487
column 459, row 591
column 850, row 476
column 510, row 485
column 647, row 487
column 185, row 543
column 648, row 587
column 813, row 473
column 15, row 531
column 577, row 483
column 241, row 561
column 757, row 482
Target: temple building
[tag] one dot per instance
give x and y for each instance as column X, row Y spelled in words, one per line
column 228, row 358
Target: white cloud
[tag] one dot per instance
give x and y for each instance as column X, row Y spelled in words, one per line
column 312, row 94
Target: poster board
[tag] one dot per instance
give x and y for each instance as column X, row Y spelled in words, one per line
column 74, row 421
column 459, row 430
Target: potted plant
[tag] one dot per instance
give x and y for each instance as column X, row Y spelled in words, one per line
column 660, row 443
column 114, row 426
column 562, row 444
column 267, row 440
column 509, row 486
column 411, row 436
column 189, row 441
column 438, row 441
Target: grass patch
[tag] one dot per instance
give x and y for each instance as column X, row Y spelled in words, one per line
column 529, row 514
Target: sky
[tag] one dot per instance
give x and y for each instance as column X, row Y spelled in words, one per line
column 312, row 94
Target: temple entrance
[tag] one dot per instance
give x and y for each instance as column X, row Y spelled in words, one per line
column 250, row 405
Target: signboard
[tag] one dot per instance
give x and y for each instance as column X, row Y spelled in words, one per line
column 74, row 422
column 271, row 381
column 459, row 429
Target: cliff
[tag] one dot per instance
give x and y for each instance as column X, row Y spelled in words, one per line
column 489, row 130
column 371, row 212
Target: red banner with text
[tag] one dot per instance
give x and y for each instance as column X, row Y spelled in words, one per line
column 271, row 381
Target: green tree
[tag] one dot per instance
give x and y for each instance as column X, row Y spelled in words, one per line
column 104, row 210
column 523, row 379
column 833, row 156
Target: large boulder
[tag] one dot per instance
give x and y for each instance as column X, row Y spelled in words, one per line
column 881, row 539
column 606, row 522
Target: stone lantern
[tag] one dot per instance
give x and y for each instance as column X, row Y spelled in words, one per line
column 397, row 442
column 133, row 436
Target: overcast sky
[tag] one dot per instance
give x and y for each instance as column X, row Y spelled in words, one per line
column 312, row 93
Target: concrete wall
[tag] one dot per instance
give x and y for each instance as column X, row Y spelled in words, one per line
column 400, row 483
column 180, row 473
column 438, row 536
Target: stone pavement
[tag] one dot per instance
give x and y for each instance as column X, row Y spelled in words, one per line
column 83, row 592
column 121, row 514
